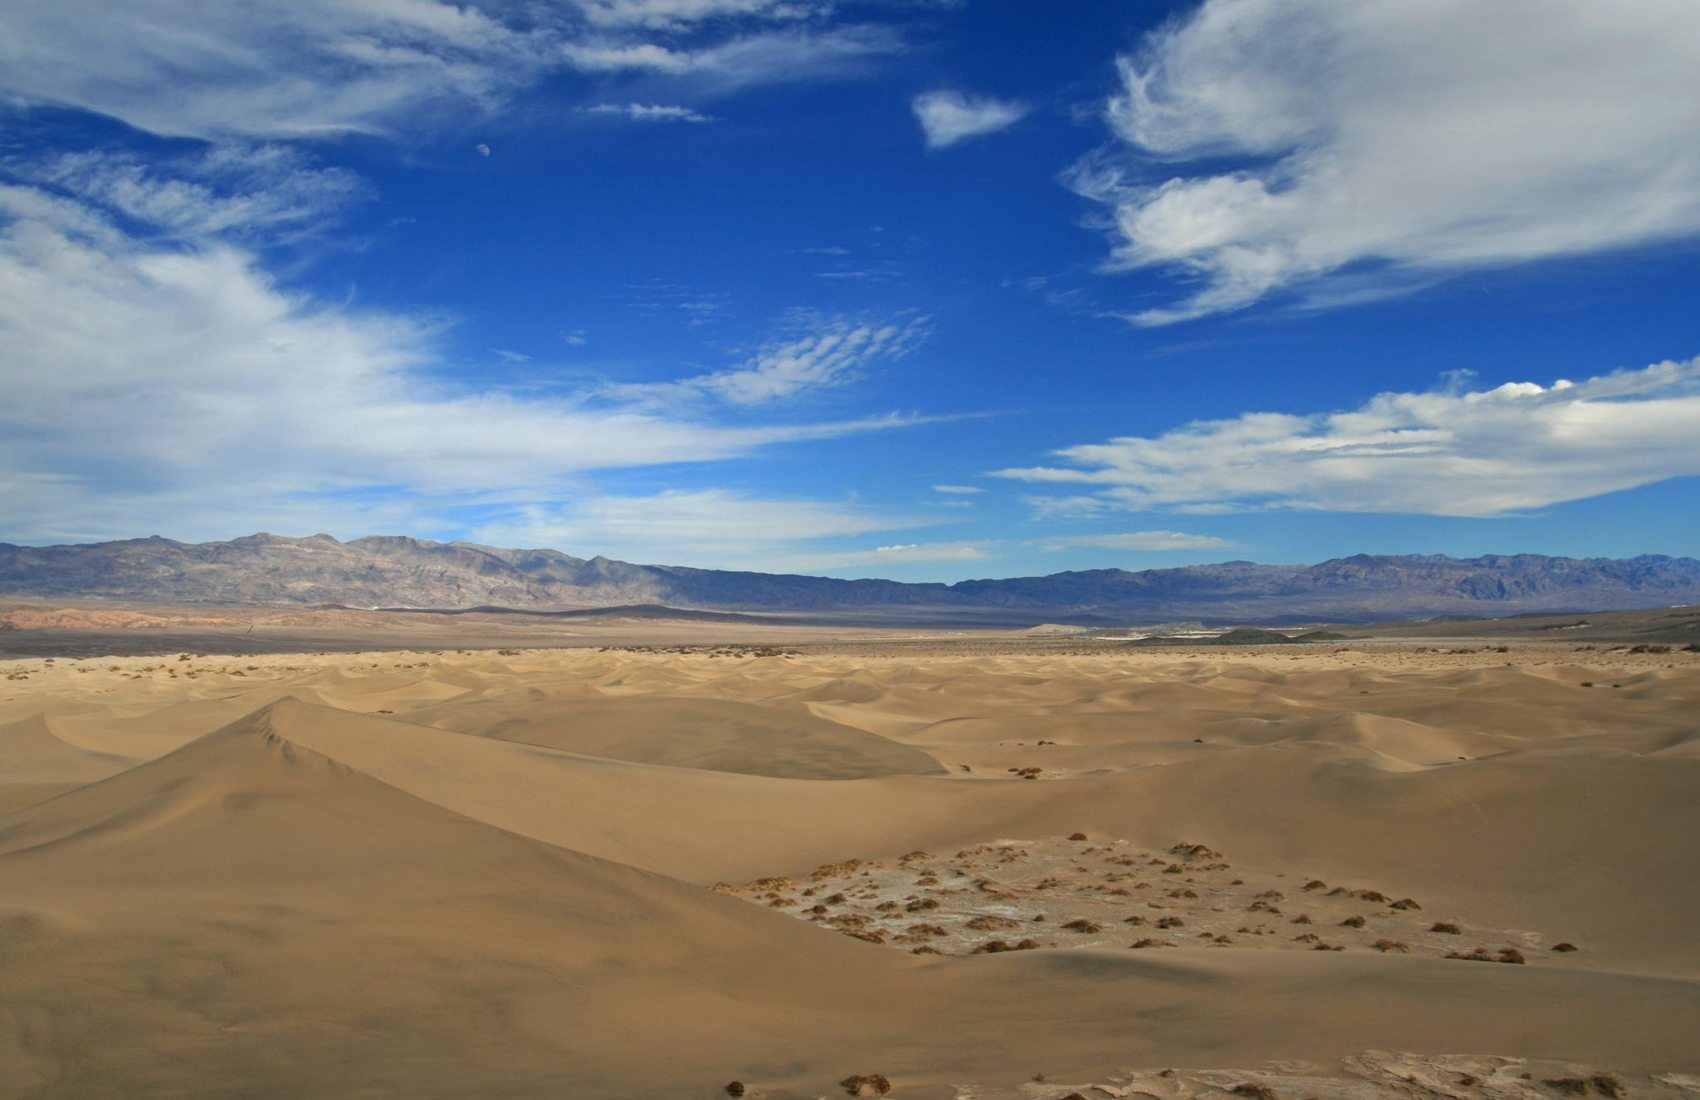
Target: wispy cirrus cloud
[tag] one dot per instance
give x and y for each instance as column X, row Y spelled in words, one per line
column 830, row 352
column 949, row 117
column 1136, row 540
column 241, row 191
column 1396, row 142
column 273, row 69
column 683, row 14
column 760, row 57
column 650, row 112
column 1449, row 452
column 317, row 69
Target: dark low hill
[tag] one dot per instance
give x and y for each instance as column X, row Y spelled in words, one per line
column 395, row 571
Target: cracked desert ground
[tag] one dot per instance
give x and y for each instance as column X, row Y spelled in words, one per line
column 950, row 871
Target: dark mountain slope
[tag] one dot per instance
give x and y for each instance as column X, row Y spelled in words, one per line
column 396, row 571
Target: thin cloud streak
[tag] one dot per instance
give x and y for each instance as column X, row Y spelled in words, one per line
column 832, row 353
column 651, row 112
column 1136, row 540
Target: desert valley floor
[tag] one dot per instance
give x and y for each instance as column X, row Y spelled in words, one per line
column 1325, row 871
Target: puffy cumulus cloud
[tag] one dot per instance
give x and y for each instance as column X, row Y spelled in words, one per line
column 650, row 112
column 721, row 528
column 1449, row 452
column 947, row 117
column 1138, row 540
column 166, row 382
column 1400, row 140
column 831, row 352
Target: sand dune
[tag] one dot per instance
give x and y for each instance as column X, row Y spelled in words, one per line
column 32, row 751
column 457, row 874
column 710, row 734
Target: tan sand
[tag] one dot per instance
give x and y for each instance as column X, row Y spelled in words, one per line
column 482, row 873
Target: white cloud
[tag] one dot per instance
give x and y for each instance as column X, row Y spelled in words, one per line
column 715, row 528
column 948, row 117
column 1138, row 540
column 265, row 68
column 958, row 490
column 760, row 57
column 682, row 14
column 155, row 386
column 1401, row 140
column 291, row 69
column 235, row 190
column 1516, row 447
column 832, row 352
column 651, row 112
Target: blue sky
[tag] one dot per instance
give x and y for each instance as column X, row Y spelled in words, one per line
column 907, row 288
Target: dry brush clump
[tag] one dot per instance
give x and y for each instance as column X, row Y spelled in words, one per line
column 1481, row 954
column 866, row 1084
column 991, row 923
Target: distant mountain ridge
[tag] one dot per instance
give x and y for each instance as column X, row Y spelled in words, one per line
column 398, row 571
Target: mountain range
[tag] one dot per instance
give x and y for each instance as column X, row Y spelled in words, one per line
column 396, row 571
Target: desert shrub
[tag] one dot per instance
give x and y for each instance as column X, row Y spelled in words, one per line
column 866, row 1084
